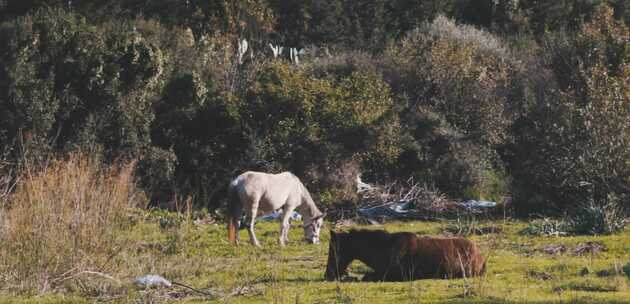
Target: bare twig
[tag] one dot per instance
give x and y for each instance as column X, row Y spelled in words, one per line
column 191, row 288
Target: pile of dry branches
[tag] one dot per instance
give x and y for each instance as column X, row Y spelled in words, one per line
column 421, row 196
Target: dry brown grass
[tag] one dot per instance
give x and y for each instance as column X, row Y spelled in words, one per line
column 61, row 223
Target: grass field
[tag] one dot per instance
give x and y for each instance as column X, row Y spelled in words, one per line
column 197, row 254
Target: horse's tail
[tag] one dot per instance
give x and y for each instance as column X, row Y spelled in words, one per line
column 234, row 210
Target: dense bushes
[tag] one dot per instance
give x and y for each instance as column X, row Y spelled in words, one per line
column 69, row 82
column 457, row 83
column 576, row 131
column 311, row 124
column 399, row 93
column 349, row 24
column 193, row 118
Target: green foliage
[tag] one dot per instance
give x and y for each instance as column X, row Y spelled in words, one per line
column 461, row 72
column 577, row 129
column 73, row 82
column 589, row 218
column 546, row 227
column 456, row 83
column 157, row 168
column 310, row 124
column 280, row 106
column 598, row 217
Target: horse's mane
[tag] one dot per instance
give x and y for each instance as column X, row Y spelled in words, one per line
column 373, row 235
column 368, row 232
column 307, row 195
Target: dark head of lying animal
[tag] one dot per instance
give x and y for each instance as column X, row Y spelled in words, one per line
column 402, row 256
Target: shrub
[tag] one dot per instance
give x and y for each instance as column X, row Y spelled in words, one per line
column 603, row 217
column 63, row 221
column 576, row 128
column 341, row 184
column 455, row 90
column 312, row 122
column 458, row 71
column 435, row 152
column 157, row 171
column 547, row 227
column 590, row 218
column 78, row 84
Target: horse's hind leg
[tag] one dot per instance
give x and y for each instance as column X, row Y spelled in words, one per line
column 237, row 222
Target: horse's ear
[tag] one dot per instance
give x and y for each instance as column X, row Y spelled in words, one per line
column 319, row 216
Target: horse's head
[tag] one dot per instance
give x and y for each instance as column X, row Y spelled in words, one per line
column 337, row 260
column 312, row 228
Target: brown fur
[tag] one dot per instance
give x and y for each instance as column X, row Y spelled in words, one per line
column 403, row 256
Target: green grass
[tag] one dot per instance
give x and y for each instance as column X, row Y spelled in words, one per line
column 199, row 255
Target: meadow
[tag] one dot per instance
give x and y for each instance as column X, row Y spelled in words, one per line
column 197, row 253
column 80, row 232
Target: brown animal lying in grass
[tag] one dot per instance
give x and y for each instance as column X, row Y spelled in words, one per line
column 403, row 256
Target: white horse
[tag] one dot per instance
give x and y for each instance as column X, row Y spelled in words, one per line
column 261, row 193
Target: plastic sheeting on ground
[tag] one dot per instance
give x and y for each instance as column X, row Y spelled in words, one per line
column 277, row 215
column 151, row 281
column 394, row 210
column 402, row 210
column 477, row 205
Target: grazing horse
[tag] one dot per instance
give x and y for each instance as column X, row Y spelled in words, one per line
column 259, row 193
column 403, row 256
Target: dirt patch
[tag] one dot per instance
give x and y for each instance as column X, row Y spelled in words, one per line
column 590, row 248
column 465, row 230
column 539, row 275
column 146, row 246
column 588, row 286
column 553, row 249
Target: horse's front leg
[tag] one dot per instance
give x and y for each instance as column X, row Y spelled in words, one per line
column 252, row 236
column 284, row 227
column 250, row 229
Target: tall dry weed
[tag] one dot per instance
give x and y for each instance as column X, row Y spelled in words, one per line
column 63, row 222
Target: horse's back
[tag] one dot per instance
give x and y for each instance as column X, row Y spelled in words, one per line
column 453, row 257
column 260, row 177
column 271, row 189
column 446, row 243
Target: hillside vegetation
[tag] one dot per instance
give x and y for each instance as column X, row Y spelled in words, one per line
column 483, row 99
column 123, row 121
